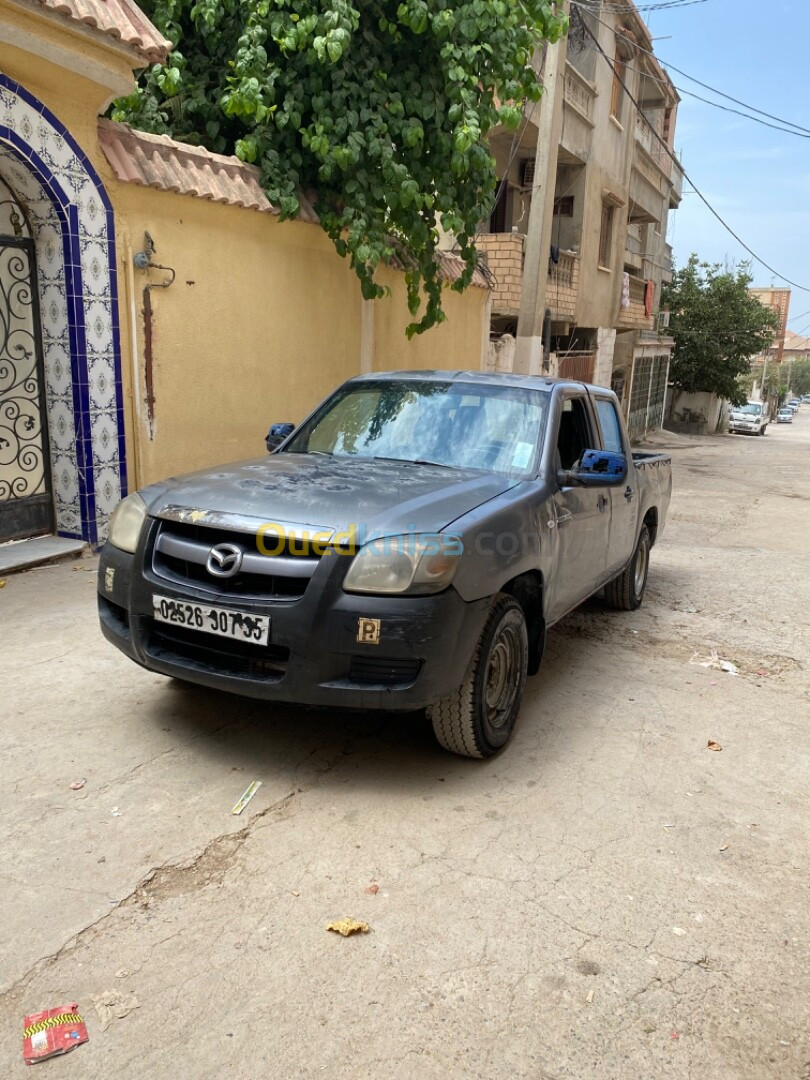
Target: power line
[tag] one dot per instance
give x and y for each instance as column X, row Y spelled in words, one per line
column 728, row 97
column 663, row 6
column 691, row 78
column 739, row 112
column 698, row 192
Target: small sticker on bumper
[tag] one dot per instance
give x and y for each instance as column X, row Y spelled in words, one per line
column 368, row 631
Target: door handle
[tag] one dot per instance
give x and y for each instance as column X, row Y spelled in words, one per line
column 628, row 494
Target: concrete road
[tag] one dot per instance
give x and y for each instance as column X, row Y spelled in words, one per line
column 608, row 899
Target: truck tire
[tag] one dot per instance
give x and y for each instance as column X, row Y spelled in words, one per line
column 626, row 591
column 478, row 719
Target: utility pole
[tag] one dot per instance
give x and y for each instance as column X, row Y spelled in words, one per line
column 529, row 347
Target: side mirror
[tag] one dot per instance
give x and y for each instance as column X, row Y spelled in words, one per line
column 277, row 434
column 596, row 468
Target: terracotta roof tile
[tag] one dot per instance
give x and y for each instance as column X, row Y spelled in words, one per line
column 121, row 19
column 161, row 162
column 451, row 267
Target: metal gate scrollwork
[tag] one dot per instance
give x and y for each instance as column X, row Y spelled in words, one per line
column 22, row 454
column 25, row 500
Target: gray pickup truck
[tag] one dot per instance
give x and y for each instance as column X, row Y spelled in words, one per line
column 406, row 547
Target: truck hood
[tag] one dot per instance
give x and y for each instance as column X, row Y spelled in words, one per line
column 380, row 497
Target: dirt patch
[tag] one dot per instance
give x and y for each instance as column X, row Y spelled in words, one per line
column 597, row 626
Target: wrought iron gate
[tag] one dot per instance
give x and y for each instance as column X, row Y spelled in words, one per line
column 647, row 392
column 26, row 504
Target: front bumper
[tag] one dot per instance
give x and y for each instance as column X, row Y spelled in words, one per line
column 314, row 657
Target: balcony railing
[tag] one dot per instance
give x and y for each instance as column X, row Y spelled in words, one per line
column 666, row 263
column 563, row 287
column 633, row 242
column 579, row 93
column 504, row 257
column 676, row 175
column 648, row 137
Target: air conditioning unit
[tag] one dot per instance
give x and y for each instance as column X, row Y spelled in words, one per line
column 663, row 320
column 527, row 173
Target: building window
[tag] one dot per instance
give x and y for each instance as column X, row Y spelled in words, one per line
column 606, row 236
column 617, row 94
column 564, row 206
column 501, row 211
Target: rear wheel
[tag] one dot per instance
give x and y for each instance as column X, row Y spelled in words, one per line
column 626, row 591
column 479, row 718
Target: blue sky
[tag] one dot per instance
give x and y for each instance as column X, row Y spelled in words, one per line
column 758, row 179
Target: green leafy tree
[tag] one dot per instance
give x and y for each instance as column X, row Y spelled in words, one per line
column 377, row 109
column 717, row 326
column 799, row 377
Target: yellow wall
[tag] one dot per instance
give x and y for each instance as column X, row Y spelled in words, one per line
column 455, row 345
column 264, row 318
column 261, row 322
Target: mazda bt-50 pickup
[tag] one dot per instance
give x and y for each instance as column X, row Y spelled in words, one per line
column 407, row 546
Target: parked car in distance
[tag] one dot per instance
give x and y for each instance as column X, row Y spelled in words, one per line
column 784, row 416
column 794, row 404
column 805, row 399
column 405, row 547
column 749, row 419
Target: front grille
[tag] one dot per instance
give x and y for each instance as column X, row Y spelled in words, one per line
column 181, row 550
column 384, row 670
column 213, row 653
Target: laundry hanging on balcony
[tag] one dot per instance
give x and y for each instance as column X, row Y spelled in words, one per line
column 649, row 299
column 625, row 291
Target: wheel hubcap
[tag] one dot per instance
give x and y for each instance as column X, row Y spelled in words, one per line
column 502, row 678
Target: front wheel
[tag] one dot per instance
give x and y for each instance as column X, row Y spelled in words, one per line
column 478, row 719
column 626, row 591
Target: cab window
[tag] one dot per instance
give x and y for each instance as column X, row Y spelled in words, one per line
column 575, row 436
column 609, row 423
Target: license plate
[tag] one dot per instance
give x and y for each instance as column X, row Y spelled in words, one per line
column 212, row 620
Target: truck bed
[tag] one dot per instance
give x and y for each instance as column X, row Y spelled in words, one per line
column 642, row 459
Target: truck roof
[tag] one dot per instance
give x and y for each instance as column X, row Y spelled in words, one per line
column 476, row 378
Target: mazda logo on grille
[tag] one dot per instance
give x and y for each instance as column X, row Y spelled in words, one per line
column 224, row 560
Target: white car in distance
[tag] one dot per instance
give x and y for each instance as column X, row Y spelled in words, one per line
column 749, row 419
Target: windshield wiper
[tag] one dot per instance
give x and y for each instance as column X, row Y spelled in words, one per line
column 415, row 461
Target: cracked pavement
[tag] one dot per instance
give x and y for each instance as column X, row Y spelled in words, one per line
column 608, row 898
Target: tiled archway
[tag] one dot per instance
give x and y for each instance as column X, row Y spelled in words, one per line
column 71, row 219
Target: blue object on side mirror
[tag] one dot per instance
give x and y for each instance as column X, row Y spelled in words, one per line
column 595, row 468
column 602, row 463
column 277, row 434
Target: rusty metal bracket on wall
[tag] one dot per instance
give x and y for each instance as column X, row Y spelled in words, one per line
column 143, row 261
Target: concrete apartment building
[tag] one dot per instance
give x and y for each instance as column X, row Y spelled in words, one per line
column 615, row 184
column 777, row 300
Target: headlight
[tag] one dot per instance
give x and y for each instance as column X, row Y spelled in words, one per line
column 400, row 564
column 126, row 523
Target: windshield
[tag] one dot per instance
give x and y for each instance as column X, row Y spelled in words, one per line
column 460, row 425
column 751, row 409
